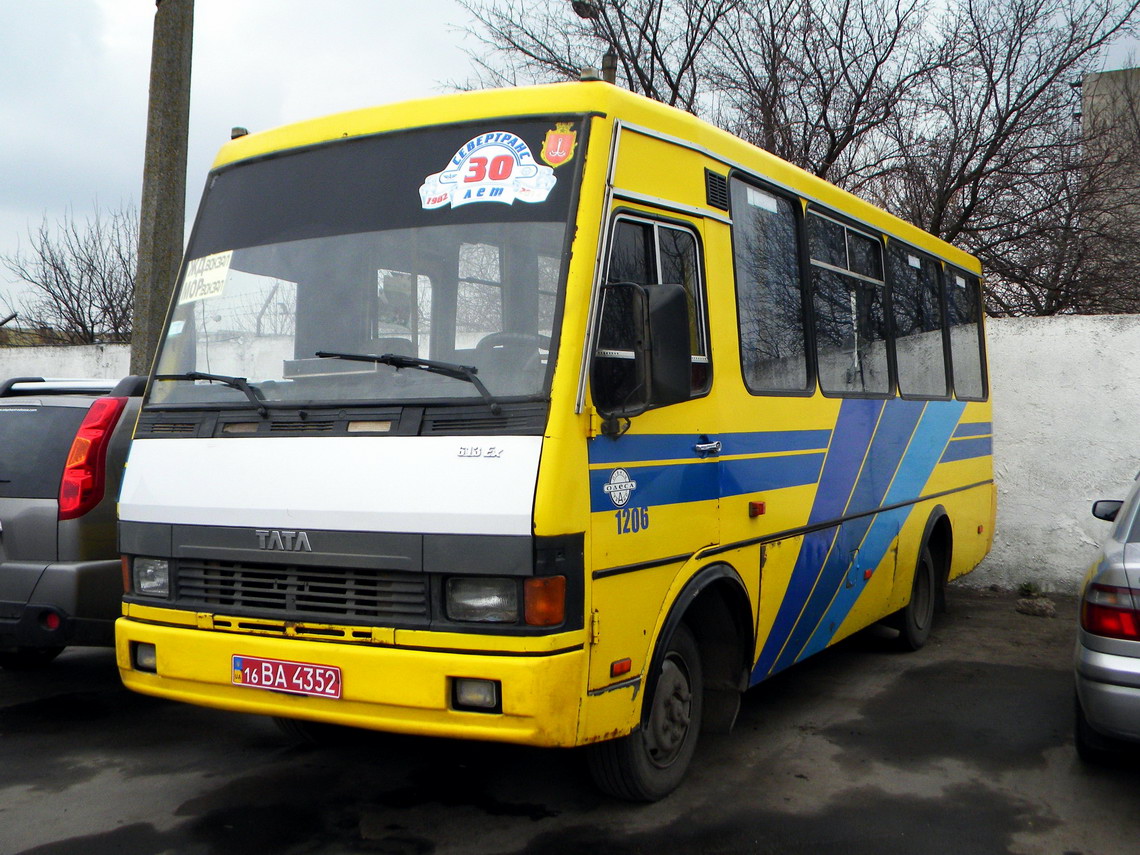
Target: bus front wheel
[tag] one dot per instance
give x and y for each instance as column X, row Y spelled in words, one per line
column 648, row 764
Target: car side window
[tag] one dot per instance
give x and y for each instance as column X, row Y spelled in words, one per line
column 1127, row 527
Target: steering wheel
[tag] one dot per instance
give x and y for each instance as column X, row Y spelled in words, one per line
column 507, row 339
column 518, row 342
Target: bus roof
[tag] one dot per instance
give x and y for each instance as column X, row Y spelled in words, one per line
column 584, row 98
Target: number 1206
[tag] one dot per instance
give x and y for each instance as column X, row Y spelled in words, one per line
column 632, row 520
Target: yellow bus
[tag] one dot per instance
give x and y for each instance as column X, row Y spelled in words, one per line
column 549, row 415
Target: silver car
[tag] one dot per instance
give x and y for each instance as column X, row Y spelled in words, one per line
column 1107, row 659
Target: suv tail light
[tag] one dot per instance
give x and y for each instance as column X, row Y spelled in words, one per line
column 1111, row 611
column 84, row 475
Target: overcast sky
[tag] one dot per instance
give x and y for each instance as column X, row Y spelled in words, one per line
column 74, row 77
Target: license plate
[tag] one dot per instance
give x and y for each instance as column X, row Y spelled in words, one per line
column 298, row 678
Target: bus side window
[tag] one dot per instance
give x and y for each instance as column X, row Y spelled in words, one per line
column 850, row 309
column 769, row 295
column 963, row 314
column 647, row 252
column 917, row 309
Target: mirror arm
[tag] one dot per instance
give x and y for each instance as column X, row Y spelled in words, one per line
column 614, row 426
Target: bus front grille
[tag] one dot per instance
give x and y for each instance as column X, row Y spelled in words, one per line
column 354, row 595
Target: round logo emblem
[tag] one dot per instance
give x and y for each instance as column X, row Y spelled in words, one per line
column 620, row 487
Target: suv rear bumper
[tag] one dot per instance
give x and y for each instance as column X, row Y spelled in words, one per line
column 84, row 596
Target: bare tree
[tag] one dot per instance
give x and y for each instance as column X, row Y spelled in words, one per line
column 815, row 81
column 957, row 115
column 662, row 48
column 80, row 277
column 996, row 163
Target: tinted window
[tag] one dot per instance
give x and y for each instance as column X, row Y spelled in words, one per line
column 916, row 304
column 632, row 253
column 646, row 252
column 964, row 308
column 1127, row 526
column 851, row 328
column 864, row 255
column 827, row 241
column 850, row 334
column 443, row 243
column 678, row 259
column 34, row 441
column 768, row 292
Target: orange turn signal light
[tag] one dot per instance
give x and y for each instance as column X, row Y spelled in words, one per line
column 544, row 601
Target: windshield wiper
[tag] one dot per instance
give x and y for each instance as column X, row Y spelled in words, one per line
column 239, row 383
column 447, row 369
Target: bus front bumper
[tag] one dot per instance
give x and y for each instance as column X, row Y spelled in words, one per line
column 385, row 688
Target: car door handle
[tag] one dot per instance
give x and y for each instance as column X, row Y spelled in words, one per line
column 704, row 449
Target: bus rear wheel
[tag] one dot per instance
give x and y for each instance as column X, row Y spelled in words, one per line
column 650, row 763
column 914, row 620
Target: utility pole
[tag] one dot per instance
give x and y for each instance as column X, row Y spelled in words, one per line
column 162, row 212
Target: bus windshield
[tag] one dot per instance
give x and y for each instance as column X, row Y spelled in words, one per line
column 421, row 266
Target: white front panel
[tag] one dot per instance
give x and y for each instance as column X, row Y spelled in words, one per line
column 431, row 485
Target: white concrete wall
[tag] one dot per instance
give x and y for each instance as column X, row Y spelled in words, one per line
column 97, row 361
column 1066, row 432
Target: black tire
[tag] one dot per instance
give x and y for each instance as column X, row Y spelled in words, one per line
column 650, row 763
column 28, row 658
column 915, row 619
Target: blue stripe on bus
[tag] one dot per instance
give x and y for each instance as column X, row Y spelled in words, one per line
column 880, row 453
column 774, row 442
column 965, row 449
column 877, row 457
column 900, row 455
column 644, row 448
column 974, row 429
column 921, row 457
column 769, row 473
column 698, row 481
column 658, row 485
column 854, row 429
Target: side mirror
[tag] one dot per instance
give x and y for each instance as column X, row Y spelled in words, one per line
column 1106, row 509
column 642, row 359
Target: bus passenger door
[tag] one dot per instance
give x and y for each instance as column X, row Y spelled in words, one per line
column 654, row 479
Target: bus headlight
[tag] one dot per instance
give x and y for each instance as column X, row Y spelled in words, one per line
column 152, row 577
column 482, row 599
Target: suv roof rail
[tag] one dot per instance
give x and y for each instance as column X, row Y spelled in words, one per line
column 131, row 386
column 15, row 386
column 6, row 386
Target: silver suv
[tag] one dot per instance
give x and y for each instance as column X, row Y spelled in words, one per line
column 63, row 444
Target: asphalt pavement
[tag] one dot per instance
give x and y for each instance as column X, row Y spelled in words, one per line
column 962, row 747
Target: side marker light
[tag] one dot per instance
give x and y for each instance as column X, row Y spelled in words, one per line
column 621, row 667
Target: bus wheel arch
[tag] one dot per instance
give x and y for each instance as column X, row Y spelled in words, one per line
column 939, row 538
column 697, row 673
column 928, row 586
column 717, row 609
